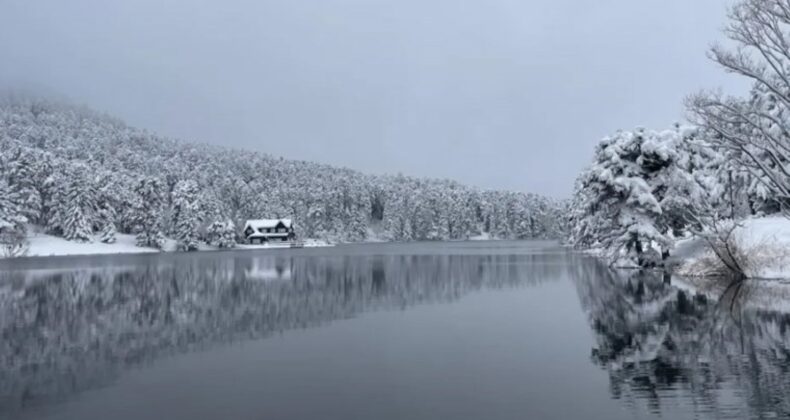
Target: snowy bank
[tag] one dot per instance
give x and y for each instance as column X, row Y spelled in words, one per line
column 764, row 241
column 42, row 245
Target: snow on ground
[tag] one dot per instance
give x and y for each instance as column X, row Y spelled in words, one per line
column 485, row 236
column 376, row 233
column 42, row 245
column 765, row 240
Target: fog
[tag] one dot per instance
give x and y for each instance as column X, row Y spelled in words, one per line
column 505, row 94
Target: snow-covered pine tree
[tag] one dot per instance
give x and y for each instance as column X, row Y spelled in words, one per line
column 107, row 201
column 147, row 213
column 618, row 199
column 187, row 219
column 11, row 214
column 21, row 178
column 79, row 209
column 356, row 227
column 587, row 226
column 398, row 214
column 666, row 158
column 107, row 234
column 221, row 234
column 13, row 241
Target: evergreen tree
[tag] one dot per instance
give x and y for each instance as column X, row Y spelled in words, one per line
column 147, row 213
column 634, row 197
column 222, row 234
column 79, row 208
column 22, row 177
column 108, row 233
column 186, row 215
column 11, row 214
column 12, row 223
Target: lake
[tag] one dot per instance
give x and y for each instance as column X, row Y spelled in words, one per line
column 462, row 330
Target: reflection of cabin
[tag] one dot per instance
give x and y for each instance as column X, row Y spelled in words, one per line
column 269, row 230
column 269, row 268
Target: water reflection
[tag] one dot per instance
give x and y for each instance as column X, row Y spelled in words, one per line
column 723, row 352
column 65, row 329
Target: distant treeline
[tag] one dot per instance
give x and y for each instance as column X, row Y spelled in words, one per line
column 85, row 176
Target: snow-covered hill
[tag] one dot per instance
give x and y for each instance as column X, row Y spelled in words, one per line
column 81, row 175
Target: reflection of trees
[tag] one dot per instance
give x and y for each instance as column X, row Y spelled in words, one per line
column 725, row 353
column 64, row 330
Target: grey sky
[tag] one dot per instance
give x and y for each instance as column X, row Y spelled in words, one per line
column 509, row 94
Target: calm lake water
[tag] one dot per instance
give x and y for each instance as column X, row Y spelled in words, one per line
column 500, row 330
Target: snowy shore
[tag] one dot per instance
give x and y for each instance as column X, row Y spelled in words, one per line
column 42, row 245
column 765, row 242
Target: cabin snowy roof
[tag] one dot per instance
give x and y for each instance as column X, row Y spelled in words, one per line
column 268, row 223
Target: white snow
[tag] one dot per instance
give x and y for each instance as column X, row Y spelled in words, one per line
column 267, row 223
column 765, row 240
column 485, row 236
column 46, row 245
column 42, row 245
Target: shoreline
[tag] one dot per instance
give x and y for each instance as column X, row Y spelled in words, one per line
column 762, row 245
column 42, row 246
column 48, row 246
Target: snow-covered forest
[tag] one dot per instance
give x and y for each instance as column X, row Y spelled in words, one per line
column 647, row 189
column 83, row 176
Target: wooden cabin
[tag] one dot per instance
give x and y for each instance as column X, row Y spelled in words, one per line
column 269, row 230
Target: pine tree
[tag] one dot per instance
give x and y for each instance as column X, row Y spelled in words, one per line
column 21, row 179
column 79, row 208
column 11, row 215
column 147, row 213
column 222, row 234
column 13, row 241
column 618, row 201
column 186, row 216
column 356, row 228
column 108, row 233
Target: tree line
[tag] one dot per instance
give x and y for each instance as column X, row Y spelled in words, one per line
column 84, row 176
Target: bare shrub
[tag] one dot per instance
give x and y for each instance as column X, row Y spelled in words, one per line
column 730, row 255
column 724, row 258
column 754, row 130
column 766, row 254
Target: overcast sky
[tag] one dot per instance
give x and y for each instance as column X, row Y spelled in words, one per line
column 509, row 94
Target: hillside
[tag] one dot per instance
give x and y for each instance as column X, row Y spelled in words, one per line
column 78, row 174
